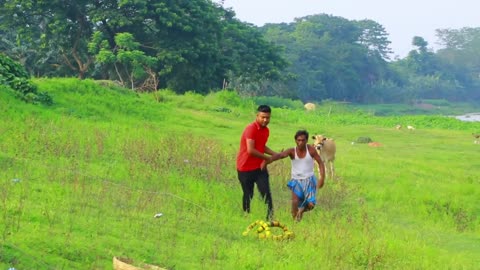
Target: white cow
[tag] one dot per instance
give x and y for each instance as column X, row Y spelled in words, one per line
column 309, row 106
column 410, row 128
column 326, row 149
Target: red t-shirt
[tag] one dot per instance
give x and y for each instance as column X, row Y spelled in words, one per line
column 253, row 131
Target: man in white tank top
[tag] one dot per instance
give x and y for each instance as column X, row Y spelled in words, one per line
column 303, row 184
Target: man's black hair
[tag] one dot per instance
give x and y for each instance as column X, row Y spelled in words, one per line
column 264, row 109
column 300, row 133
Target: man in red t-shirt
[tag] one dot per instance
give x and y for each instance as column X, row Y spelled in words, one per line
column 252, row 161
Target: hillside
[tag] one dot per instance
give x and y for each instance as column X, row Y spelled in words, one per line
column 81, row 181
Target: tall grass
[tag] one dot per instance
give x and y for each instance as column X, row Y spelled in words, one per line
column 81, row 181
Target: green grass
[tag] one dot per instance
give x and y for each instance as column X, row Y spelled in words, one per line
column 425, row 107
column 81, row 181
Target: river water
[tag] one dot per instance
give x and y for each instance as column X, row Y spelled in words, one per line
column 469, row 117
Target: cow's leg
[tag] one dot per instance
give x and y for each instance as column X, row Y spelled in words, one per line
column 324, row 168
column 327, row 169
column 332, row 169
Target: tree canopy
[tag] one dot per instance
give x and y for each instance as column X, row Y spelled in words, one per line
column 198, row 45
column 188, row 44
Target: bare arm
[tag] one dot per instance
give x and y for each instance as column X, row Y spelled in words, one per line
column 321, row 167
column 283, row 154
column 254, row 152
column 277, row 156
column 269, row 151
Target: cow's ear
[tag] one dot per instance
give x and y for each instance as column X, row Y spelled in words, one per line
column 313, row 137
column 324, row 139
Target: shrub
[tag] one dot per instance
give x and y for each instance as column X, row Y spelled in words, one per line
column 364, row 140
column 230, row 98
column 16, row 77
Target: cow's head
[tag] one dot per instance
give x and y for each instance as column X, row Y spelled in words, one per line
column 318, row 141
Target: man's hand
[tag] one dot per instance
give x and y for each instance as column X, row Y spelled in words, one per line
column 279, row 155
column 320, row 183
column 265, row 162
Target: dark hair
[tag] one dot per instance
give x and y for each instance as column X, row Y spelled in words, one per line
column 264, row 109
column 300, row 133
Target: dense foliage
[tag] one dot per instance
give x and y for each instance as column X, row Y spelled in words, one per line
column 198, row 45
column 339, row 59
column 15, row 76
column 182, row 45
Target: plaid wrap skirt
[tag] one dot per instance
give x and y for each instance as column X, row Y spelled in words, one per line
column 305, row 189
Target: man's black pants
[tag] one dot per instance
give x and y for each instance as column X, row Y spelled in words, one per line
column 261, row 178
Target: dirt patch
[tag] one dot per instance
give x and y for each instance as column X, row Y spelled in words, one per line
column 374, row 144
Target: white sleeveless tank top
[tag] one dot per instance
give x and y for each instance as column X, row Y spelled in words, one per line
column 302, row 168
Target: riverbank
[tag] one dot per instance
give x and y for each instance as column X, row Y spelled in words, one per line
column 469, row 117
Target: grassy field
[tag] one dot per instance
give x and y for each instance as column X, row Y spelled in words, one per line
column 81, row 182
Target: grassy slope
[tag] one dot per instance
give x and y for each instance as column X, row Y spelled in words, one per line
column 82, row 180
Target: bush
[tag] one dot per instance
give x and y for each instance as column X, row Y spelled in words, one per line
column 364, row 140
column 10, row 70
column 14, row 75
column 230, row 98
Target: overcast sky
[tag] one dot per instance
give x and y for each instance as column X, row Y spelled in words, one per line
column 402, row 19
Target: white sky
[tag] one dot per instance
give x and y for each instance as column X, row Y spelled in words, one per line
column 402, row 19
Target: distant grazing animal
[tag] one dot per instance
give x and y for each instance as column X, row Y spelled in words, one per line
column 309, row 106
column 477, row 138
column 410, row 128
column 398, row 127
column 327, row 149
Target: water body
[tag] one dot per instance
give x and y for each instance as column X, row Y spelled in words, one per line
column 469, row 117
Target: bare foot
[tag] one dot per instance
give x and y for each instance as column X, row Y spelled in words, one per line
column 298, row 218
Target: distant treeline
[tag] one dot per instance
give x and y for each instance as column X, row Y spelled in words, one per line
column 198, row 45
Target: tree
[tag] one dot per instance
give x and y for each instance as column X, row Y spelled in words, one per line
column 460, row 58
column 253, row 61
column 421, row 60
column 332, row 57
column 59, row 29
column 127, row 60
column 375, row 38
column 196, row 43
